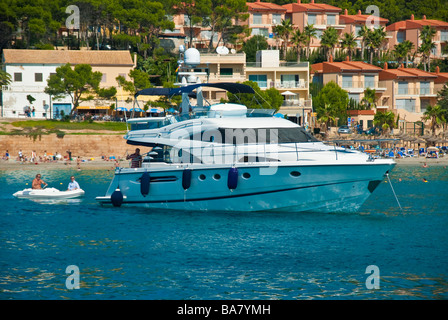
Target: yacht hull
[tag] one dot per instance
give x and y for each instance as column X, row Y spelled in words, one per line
column 286, row 188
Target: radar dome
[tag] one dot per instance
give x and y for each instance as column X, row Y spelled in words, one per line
column 192, row 57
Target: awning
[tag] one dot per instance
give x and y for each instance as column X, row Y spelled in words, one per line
column 288, row 93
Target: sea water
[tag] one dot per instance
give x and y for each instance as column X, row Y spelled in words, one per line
column 132, row 253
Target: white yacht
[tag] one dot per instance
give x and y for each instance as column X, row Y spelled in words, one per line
column 226, row 159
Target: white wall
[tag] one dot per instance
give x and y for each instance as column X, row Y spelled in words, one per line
column 14, row 96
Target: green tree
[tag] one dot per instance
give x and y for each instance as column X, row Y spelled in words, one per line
column 310, row 32
column 427, row 34
column 331, row 102
column 80, row 83
column 251, row 46
column 436, row 116
column 267, row 99
column 370, row 98
column 385, row 120
column 442, row 99
column 348, row 42
column 221, row 19
column 329, row 40
column 298, row 39
column 283, row 31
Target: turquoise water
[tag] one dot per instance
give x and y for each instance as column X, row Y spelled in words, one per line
column 125, row 253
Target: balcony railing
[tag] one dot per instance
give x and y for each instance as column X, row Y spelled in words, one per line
column 414, row 91
column 297, row 103
column 281, row 64
column 301, row 84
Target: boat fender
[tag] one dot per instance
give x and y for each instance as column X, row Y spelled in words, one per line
column 186, row 179
column 144, row 184
column 232, row 178
column 117, row 197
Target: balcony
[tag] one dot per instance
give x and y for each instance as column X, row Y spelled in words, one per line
column 281, row 64
column 301, row 103
column 360, row 86
column 427, row 92
column 301, row 84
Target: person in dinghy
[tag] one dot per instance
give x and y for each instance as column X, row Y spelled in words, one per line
column 73, row 185
column 38, row 182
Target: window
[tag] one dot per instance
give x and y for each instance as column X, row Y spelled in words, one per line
column 257, row 18
column 347, row 81
column 260, row 79
column 260, row 31
column 425, row 87
column 400, row 36
column 319, row 34
column 226, row 71
column 186, row 20
column 357, row 29
column 38, row 77
column 17, row 76
column 104, row 78
column 331, row 19
column 444, row 35
column 289, row 80
column 406, row 104
column 311, row 19
column 354, row 97
column 369, row 82
column 276, row 18
column 402, row 87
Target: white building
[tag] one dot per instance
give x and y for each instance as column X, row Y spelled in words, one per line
column 30, row 70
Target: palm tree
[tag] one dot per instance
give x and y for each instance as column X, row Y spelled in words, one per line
column 363, row 33
column 426, row 35
column 385, row 120
column 436, row 116
column 348, row 42
column 284, row 30
column 374, row 39
column 400, row 52
column 327, row 116
column 298, row 38
column 310, row 32
column 370, row 98
column 329, row 40
column 408, row 48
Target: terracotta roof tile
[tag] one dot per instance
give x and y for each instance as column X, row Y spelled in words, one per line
column 361, row 18
column 405, row 73
column 332, row 67
column 264, row 6
column 315, row 7
column 92, row 57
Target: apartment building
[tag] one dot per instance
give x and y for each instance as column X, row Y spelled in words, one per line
column 411, row 29
column 354, row 77
column 263, row 16
column 354, row 23
column 30, row 70
column 320, row 15
column 408, row 91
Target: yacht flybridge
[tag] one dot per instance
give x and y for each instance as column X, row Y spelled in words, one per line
column 224, row 157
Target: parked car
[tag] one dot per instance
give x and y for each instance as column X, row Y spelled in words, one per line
column 344, row 129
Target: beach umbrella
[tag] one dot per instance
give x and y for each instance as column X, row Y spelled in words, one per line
column 137, row 110
column 279, row 115
column 122, row 109
column 154, row 110
column 288, row 93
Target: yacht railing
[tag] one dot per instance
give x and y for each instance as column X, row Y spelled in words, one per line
column 233, row 154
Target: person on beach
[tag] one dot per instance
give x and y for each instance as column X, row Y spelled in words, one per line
column 136, row 159
column 73, row 185
column 69, row 159
column 38, row 182
column 20, row 155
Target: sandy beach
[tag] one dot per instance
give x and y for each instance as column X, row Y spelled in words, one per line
column 111, row 164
